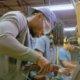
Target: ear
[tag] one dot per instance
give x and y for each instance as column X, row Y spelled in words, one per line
column 39, row 16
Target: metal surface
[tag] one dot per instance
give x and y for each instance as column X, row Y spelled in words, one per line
column 76, row 74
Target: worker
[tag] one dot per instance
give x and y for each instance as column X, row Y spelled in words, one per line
column 42, row 46
column 64, row 56
column 14, row 40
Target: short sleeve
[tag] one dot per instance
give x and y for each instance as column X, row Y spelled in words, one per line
column 62, row 54
column 40, row 44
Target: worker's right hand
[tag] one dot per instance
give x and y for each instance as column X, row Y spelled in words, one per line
column 45, row 65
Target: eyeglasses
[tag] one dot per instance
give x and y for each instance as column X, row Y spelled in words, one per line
column 46, row 25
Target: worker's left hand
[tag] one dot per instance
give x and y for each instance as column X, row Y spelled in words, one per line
column 40, row 77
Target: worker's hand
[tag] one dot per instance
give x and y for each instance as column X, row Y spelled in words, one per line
column 65, row 71
column 68, row 71
column 44, row 64
column 40, row 77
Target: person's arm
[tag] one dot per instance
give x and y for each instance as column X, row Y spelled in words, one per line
column 63, row 59
column 61, row 69
column 65, row 71
column 33, row 75
column 11, row 47
column 40, row 45
column 67, row 64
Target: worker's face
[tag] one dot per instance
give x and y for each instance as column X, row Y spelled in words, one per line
column 71, row 47
column 41, row 26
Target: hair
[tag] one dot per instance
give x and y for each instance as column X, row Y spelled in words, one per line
column 57, row 31
column 36, row 11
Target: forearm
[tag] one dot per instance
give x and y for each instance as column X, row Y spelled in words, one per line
column 11, row 47
column 69, row 65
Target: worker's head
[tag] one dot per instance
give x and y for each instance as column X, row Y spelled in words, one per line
column 57, row 33
column 40, row 21
column 68, row 45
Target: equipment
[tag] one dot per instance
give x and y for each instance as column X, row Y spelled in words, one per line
column 76, row 74
column 73, row 41
column 30, row 67
column 55, row 71
column 35, row 67
column 78, row 57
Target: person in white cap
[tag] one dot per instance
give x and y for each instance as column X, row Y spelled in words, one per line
column 14, row 41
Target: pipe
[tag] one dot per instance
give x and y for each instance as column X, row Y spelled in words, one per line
column 25, row 2
column 6, row 6
column 73, row 2
column 21, row 7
